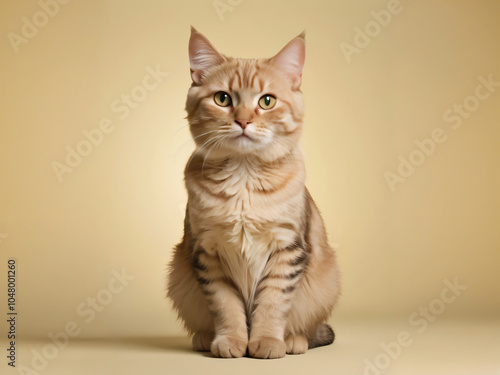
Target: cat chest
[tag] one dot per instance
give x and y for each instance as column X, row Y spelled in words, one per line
column 243, row 248
column 244, row 230
column 243, row 255
column 247, row 227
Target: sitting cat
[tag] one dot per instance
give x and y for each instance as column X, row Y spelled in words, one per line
column 254, row 272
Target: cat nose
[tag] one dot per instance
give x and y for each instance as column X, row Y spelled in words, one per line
column 243, row 123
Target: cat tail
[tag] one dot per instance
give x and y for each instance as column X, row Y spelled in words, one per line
column 324, row 336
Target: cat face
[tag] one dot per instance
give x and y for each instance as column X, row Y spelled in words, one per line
column 245, row 106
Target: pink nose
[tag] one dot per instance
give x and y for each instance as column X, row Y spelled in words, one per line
column 243, row 123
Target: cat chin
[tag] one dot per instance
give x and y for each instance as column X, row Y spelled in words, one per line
column 248, row 147
column 243, row 144
column 243, row 150
column 262, row 153
column 238, row 152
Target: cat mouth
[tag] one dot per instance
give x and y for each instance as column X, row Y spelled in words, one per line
column 244, row 136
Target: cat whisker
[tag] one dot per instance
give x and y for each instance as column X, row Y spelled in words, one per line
column 199, row 149
column 287, row 143
column 181, row 128
column 191, row 139
column 216, row 143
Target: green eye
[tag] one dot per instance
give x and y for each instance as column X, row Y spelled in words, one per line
column 222, row 99
column 267, row 102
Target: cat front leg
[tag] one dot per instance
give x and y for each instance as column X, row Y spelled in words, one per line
column 225, row 305
column 274, row 298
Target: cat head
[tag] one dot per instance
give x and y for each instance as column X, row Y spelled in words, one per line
column 241, row 106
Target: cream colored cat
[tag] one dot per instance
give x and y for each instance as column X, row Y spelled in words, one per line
column 254, row 272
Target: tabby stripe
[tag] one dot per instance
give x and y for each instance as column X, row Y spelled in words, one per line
column 271, row 287
column 297, row 244
column 261, row 288
column 206, row 282
column 288, row 226
column 221, row 195
column 288, row 104
column 291, row 110
column 307, row 219
column 238, row 74
column 280, row 283
column 189, row 240
column 203, row 281
column 196, row 260
column 231, row 82
column 247, row 78
column 289, row 276
column 303, row 257
column 187, row 225
column 195, row 109
column 284, row 182
column 219, row 181
column 284, row 159
column 216, row 314
column 261, row 85
column 288, row 289
column 295, row 274
column 285, row 313
column 253, row 79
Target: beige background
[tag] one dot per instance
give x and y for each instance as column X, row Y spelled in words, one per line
column 122, row 206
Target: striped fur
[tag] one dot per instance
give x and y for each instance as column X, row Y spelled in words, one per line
column 254, row 272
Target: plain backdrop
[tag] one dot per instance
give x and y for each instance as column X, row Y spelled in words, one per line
column 120, row 209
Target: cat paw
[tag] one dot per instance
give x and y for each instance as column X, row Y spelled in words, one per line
column 267, row 347
column 201, row 341
column 229, row 347
column 296, row 344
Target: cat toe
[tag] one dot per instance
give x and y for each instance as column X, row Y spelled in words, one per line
column 296, row 344
column 228, row 347
column 267, row 348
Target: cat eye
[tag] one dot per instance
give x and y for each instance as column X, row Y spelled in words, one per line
column 267, row 102
column 222, row 99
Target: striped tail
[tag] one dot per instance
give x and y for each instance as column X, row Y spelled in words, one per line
column 324, row 336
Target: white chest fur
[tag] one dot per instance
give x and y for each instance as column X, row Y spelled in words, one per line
column 243, row 257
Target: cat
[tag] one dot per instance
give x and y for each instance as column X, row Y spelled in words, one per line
column 254, row 273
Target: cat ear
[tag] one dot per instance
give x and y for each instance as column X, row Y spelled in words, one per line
column 291, row 59
column 202, row 55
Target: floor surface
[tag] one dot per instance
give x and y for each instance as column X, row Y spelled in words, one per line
column 361, row 347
